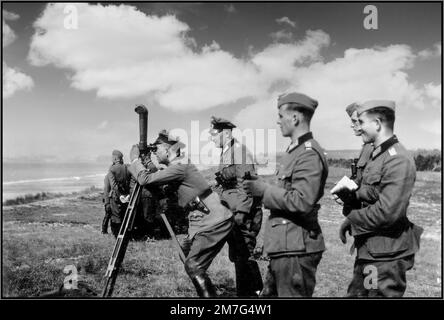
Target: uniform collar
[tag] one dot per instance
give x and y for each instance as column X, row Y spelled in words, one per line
column 384, row 146
column 305, row 137
column 228, row 146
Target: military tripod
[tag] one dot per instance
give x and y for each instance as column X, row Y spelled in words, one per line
column 124, row 235
column 123, row 238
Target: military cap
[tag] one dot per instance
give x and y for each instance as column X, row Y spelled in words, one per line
column 299, row 98
column 164, row 137
column 351, row 108
column 371, row 104
column 117, row 153
column 221, row 123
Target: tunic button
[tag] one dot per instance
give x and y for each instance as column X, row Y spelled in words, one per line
column 284, row 221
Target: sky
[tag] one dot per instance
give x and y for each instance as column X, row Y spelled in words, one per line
column 73, row 73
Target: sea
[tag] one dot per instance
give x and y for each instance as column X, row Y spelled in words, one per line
column 19, row 179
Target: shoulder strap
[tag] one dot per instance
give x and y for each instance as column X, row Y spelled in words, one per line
column 320, row 153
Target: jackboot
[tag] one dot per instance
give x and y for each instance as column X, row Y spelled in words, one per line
column 105, row 224
column 204, row 287
column 248, row 279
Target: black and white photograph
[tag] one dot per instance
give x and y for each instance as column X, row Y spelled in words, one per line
column 236, row 151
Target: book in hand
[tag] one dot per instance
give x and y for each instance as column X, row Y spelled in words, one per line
column 344, row 184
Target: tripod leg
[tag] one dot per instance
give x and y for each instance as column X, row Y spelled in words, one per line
column 173, row 236
column 121, row 244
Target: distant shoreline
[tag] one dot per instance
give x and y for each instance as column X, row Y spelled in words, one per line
column 41, row 196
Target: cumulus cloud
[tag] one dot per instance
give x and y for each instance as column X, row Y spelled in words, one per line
column 432, row 127
column 281, row 35
column 433, row 91
column 286, row 20
column 278, row 61
column 102, row 125
column 8, row 34
column 431, row 52
column 14, row 80
column 230, row 8
column 122, row 53
column 361, row 74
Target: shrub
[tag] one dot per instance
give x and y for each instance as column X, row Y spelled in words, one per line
column 425, row 160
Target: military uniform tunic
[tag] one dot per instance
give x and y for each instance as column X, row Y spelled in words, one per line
column 235, row 161
column 293, row 238
column 190, row 184
column 364, row 157
column 208, row 231
column 293, row 203
column 381, row 228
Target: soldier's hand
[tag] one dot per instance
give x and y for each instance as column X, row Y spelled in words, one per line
column 257, row 252
column 255, row 188
column 344, row 228
column 337, row 199
column 134, row 153
column 347, row 197
column 164, row 205
column 228, row 173
column 239, row 218
column 108, row 208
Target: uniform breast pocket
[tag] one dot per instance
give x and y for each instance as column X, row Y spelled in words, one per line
column 281, row 236
column 372, row 179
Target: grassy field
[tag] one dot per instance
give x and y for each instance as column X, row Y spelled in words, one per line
column 41, row 238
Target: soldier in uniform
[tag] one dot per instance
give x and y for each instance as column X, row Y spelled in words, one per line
column 367, row 148
column 210, row 223
column 117, row 183
column 293, row 238
column 147, row 223
column 106, row 202
column 358, row 164
column 385, row 239
column 235, row 162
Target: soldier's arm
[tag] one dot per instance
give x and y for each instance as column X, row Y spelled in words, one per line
column 106, row 190
column 243, row 160
column 367, row 193
column 112, row 181
column 305, row 185
column 396, row 185
column 145, row 177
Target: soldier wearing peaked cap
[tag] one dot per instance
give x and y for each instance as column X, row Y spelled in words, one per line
column 210, row 223
column 148, row 221
column 235, row 162
column 293, row 238
column 385, row 239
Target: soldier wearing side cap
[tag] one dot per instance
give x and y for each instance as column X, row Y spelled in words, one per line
column 358, row 164
column 367, row 148
column 385, row 239
column 235, row 162
column 117, row 183
column 210, row 223
column 293, row 238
